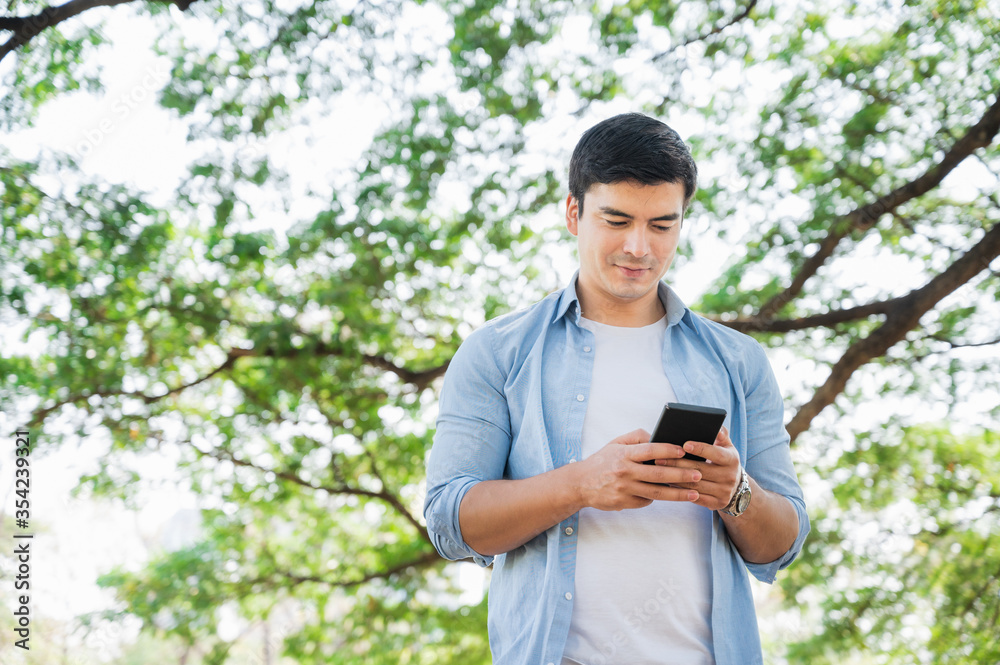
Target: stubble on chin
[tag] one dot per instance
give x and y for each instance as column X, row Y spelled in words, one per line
column 630, row 289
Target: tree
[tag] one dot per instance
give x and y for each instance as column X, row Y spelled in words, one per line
column 281, row 336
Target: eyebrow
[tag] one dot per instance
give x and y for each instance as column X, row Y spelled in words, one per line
column 614, row 212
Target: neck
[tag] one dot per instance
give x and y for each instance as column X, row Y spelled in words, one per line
column 625, row 314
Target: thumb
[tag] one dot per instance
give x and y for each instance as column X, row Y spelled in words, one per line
column 722, row 438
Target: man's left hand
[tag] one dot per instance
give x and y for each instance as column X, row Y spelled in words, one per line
column 720, row 472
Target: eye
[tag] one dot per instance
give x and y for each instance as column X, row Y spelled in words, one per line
column 615, row 223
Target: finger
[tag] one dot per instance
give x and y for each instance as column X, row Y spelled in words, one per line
column 669, row 493
column 709, row 487
column 721, row 454
column 701, row 449
column 707, row 484
column 666, row 475
column 634, row 437
column 681, row 461
column 710, row 502
column 711, row 495
column 656, row 451
column 722, row 438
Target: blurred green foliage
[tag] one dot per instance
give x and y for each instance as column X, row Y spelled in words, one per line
column 287, row 362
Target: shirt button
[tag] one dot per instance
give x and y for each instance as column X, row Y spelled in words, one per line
column 572, row 460
column 579, row 398
column 569, row 596
column 569, row 531
column 586, row 349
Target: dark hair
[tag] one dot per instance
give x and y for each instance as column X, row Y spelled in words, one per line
column 631, row 147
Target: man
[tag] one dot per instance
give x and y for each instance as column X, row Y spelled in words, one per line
column 538, row 461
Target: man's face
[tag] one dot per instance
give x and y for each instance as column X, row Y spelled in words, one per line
column 627, row 238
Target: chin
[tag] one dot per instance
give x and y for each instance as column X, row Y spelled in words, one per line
column 633, row 291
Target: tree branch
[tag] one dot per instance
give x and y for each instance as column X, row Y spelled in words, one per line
column 827, row 319
column 969, row 345
column 928, row 353
column 421, row 379
column 394, row 501
column 978, row 136
column 41, row 414
column 714, row 31
column 903, row 317
column 343, row 489
column 423, row 561
column 26, row 28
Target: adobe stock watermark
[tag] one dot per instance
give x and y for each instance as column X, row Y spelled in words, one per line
column 637, row 618
column 152, row 79
column 22, row 540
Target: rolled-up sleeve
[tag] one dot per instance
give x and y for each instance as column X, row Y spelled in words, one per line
column 769, row 460
column 471, row 444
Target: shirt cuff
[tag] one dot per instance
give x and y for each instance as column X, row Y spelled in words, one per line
column 767, row 572
column 441, row 511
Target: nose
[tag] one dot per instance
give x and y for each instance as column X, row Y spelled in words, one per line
column 637, row 241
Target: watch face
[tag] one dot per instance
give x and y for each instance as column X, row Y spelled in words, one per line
column 742, row 502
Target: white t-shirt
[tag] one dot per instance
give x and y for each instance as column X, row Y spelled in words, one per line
column 643, row 587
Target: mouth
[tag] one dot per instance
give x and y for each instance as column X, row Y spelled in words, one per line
column 632, row 271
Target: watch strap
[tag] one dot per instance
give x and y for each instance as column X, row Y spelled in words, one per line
column 743, row 489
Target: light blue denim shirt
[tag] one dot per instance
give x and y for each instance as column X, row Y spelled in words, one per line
column 512, row 406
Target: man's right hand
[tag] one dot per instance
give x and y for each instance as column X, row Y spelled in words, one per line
column 499, row 515
column 616, row 478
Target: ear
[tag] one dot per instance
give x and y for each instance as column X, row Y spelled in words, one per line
column 572, row 214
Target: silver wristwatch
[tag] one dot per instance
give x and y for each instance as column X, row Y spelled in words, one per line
column 741, row 499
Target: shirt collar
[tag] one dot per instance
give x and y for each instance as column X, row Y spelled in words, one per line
column 569, row 303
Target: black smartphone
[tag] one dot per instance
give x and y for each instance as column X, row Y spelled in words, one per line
column 680, row 423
